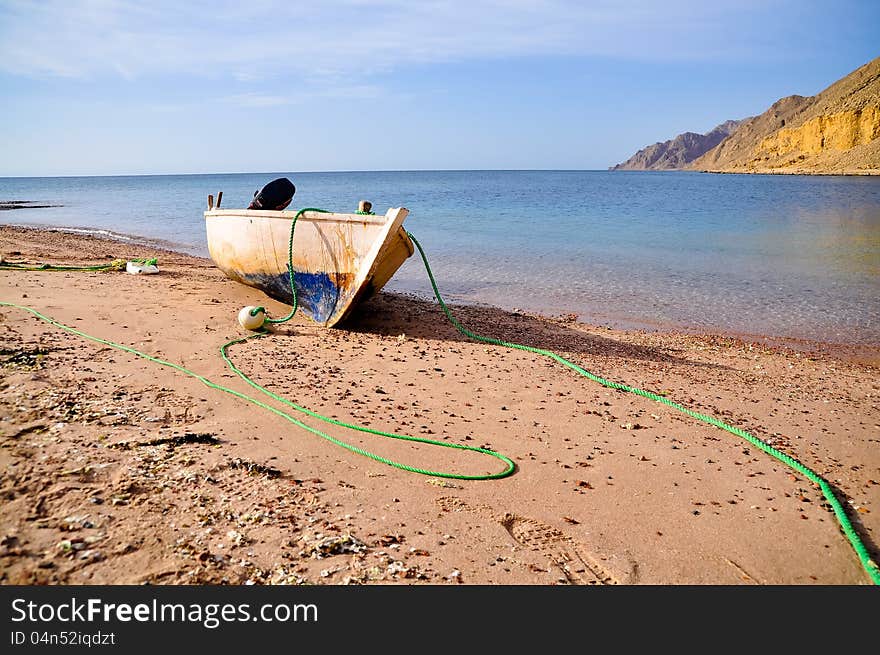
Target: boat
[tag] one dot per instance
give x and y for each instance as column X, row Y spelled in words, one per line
column 339, row 260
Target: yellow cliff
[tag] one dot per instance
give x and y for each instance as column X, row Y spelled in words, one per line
column 834, row 132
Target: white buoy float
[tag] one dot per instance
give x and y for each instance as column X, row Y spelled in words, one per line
column 252, row 318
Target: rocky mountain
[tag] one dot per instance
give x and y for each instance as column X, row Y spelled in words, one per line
column 834, row 132
column 678, row 152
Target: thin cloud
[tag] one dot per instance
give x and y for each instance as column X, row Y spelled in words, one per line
column 259, row 100
column 260, row 39
column 347, row 92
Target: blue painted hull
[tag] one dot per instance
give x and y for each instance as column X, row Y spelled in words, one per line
column 317, row 294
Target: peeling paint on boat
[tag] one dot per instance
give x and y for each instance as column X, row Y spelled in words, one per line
column 317, row 294
column 338, row 259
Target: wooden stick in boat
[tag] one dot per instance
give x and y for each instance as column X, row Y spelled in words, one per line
column 219, row 198
column 210, row 201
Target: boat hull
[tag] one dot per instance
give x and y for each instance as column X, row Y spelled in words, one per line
column 339, row 260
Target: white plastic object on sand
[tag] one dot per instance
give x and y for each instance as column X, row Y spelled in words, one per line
column 136, row 269
column 251, row 318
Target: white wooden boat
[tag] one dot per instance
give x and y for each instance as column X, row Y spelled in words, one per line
column 338, row 259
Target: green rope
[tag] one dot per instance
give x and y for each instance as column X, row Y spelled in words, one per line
column 294, row 305
column 855, row 541
column 115, row 265
column 359, row 428
column 510, row 466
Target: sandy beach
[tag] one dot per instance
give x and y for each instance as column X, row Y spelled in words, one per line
column 117, row 470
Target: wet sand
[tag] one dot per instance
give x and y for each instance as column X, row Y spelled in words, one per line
column 116, row 470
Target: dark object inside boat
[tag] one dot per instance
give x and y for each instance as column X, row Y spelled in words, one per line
column 275, row 196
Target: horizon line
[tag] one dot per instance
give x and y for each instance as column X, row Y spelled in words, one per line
column 382, row 170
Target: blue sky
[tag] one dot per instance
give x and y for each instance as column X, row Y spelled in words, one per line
column 95, row 87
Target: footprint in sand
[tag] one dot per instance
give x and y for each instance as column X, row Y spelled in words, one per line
column 571, row 557
column 456, row 504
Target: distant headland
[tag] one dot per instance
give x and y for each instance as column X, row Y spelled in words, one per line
column 836, row 132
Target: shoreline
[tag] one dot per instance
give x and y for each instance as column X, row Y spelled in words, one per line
column 856, row 352
column 107, row 235
column 117, row 471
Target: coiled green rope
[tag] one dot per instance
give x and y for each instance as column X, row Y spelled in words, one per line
column 359, row 428
column 294, row 306
column 855, row 541
column 355, row 449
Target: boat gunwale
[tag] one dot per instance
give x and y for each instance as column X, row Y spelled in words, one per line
column 395, row 217
column 331, row 217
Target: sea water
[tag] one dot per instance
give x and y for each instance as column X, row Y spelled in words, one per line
column 785, row 256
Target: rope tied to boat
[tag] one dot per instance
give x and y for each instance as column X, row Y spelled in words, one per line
column 255, row 322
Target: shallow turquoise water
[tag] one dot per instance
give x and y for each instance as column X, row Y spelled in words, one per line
column 794, row 256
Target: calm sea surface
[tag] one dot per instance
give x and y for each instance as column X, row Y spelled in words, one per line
column 790, row 256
